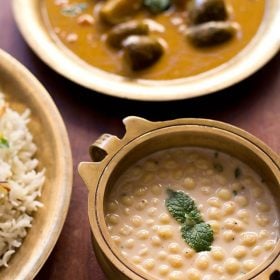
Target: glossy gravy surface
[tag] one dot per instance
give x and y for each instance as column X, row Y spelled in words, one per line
column 231, row 197
column 180, row 59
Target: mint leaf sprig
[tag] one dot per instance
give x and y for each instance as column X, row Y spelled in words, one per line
column 194, row 230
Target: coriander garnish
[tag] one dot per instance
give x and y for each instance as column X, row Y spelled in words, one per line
column 194, row 230
column 4, row 142
column 237, row 172
column 74, row 9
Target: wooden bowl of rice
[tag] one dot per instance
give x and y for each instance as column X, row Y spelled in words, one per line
column 49, row 145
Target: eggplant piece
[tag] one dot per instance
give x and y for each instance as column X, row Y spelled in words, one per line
column 211, row 33
column 116, row 11
column 141, row 52
column 157, row 6
column 119, row 32
column 201, row 11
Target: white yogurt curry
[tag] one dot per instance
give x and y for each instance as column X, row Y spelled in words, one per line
column 229, row 196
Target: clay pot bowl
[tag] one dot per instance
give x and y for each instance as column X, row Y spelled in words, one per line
column 111, row 156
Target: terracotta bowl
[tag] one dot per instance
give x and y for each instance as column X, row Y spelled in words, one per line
column 111, row 156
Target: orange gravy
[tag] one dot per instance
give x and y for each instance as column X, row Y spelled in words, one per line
column 180, row 58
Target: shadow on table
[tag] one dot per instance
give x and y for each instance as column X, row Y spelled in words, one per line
column 75, row 101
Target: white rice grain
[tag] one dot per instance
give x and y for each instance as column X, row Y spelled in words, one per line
column 18, row 170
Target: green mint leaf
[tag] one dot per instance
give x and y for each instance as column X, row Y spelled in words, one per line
column 157, row 6
column 195, row 231
column 74, row 9
column 4, row 143
column 195, row 215
column 182, row 207
column 199, row 236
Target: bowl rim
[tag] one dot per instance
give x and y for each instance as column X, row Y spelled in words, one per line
column 96, row 196
column 18, row 73
column 29, row 20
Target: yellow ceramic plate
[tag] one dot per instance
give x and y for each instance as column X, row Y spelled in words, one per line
column 23, row 90
column 263, row 46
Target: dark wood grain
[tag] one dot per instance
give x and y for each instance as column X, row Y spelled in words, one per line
column 253, row 105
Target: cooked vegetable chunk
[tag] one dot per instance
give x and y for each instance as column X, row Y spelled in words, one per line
column 157, row 6
column 116, row 11
column 211, row 33
column 87, row 28
column 201, row 11
column 141, row 52
column 119, row 32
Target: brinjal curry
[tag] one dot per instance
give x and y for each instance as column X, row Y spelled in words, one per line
column 154, row 39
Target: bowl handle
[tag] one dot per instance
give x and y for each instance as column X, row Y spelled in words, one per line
column 89, row 173
column 108, row 144
column 103, row 146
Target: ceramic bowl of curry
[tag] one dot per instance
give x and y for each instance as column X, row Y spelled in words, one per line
column 154, row 49
column 138, row 185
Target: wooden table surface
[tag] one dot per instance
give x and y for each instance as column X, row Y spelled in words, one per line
column 253, row 105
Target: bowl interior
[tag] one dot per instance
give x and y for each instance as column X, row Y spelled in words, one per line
column 193, row 136
column 228, row 144
column 29, row 18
